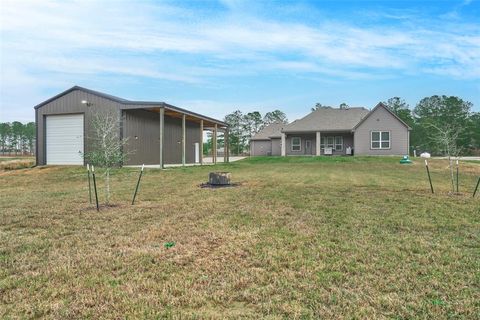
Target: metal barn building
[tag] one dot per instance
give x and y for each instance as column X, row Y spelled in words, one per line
column 158, row 133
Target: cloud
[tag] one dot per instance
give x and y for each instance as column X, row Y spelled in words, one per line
column 201, row 47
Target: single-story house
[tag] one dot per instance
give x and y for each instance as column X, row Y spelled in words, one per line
column 332, row 131
column 157, row 133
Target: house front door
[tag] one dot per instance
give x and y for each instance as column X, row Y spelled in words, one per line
column 308, row 146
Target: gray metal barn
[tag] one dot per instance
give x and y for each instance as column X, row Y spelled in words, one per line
column 158, row 133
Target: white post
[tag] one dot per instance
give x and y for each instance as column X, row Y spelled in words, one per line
column 284, row 145
column 317, row 144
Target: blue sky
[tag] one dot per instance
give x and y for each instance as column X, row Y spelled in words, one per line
column 214, row 57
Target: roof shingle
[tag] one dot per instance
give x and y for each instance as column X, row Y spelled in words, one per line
column 273, row 130
column 328, row 119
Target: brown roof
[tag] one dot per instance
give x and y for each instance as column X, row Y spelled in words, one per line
column 273, row 130
column 328, row 119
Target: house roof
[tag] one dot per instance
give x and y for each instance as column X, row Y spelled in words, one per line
column 273, row 130
column 381, row 105
column 328, row 119
column 141, row 104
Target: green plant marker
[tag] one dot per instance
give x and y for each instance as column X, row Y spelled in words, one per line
column 438, row 302
column 169, row 244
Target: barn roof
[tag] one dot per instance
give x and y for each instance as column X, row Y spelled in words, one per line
column 130, row 103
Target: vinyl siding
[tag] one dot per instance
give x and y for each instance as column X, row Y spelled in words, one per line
column 347, row 141
column 381, row 120
column 260, row 147
column 276, row 147
column 303, row 138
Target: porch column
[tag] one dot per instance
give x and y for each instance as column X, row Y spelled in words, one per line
column 317, row 144
column 284, row 144
column 183, row 139
column 214, row 144
column 201, row 142
column 162, row 129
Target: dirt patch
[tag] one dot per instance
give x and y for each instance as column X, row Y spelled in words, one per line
column 218, row 186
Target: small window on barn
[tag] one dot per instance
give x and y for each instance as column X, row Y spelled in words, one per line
column 296, row 144
column 380, row 140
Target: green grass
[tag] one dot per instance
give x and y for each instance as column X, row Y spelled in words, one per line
column 302, row 237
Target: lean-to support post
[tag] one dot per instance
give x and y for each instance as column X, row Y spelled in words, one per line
column 201, row 142
column 227, row 144
column 214, row 144
column 183, row 139
column 161, row 133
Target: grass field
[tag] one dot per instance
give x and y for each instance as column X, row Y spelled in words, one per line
column 300, row 238
column 14, row 163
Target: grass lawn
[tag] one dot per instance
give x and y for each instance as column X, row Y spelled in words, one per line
column 300, row 238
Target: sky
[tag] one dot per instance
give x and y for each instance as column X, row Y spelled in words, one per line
column 214, row 57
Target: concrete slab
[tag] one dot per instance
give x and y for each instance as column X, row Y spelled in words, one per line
column 208, row 161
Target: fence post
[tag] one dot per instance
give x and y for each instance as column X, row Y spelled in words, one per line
column 95, row 187
column 429, row 178
column 138, row 183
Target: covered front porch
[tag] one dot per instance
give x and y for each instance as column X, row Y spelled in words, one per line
column 317, row 143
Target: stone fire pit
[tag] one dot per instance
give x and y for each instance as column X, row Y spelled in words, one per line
column 218, row 180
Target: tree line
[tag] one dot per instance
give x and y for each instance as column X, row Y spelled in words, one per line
column 17, row 138
column 441, row 125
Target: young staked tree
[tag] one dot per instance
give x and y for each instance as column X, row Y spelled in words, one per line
column 107, row 146
column 446, row 137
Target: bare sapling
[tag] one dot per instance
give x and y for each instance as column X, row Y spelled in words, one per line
column 446, row 138
column 107, row 146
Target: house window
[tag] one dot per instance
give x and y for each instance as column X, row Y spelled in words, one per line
column 338, row 143
column 380, row 140
column 296, row 144
column 330, row 142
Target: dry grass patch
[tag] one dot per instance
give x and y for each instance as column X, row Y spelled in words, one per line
column 300, row 238
column 16, row 163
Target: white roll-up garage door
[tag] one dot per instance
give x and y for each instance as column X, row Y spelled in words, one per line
column 64, row 139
